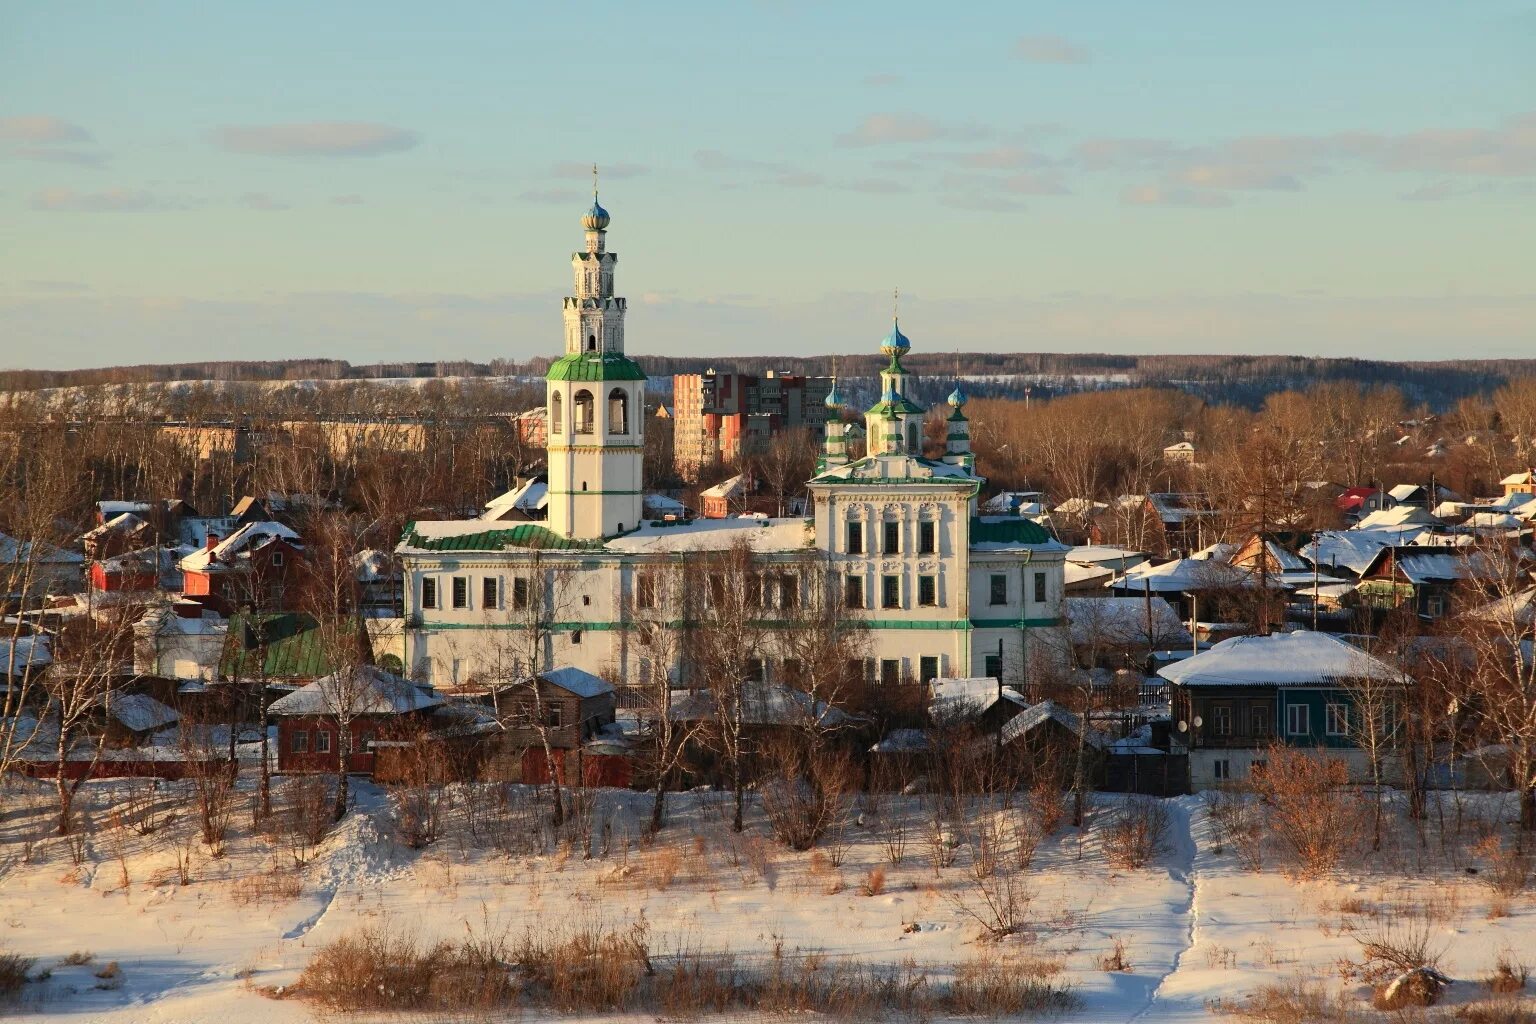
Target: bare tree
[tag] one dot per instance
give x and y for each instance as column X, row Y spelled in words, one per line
column 659, row 601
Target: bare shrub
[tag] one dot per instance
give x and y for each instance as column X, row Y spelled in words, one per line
column 1297, row 1001
column 1509, row 974
column 141, row 810
column 1026, row 833
column 891, row 828
column 1117, row 959
column 79, row 958
column 1136, row 833
column 1506, row 869
column 1237, row 820
column 663, row 866
column 585, row 967
column 804, row 796
column 1397, row 944
column 418, row 811
column 14, row 970
column 1311, row 812
column 109, row 977
column 998, row 902
column 278, row 885
column 305, row 816
column 874, row 882
column 1048, row 805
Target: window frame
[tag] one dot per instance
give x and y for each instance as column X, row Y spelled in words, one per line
column 927, row 668
column 853, row 592
column 298, row 741
column 890, row 672
column 997, row 589
column 1335, row 719
column 429, row 592
column 890, row 591
column 322, row 741
column 1291, row 719
column 853, row 537
column 490, row 592
column 890, row 537
column 927, row 537
column 928, row 591
column 458, row 593
column 992, row 666
column 1042, row 588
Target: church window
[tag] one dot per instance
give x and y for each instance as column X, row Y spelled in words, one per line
column 892, row 537
column 428, row 592
column 754, row 671
column 645, row 590
column 998, row 592
column 490, row 596
column 556, row 414
column 584, row 411
column 591, row 343
column 928, row 669
column 926, row 531
column 890, row 591
column 618, row 411
column 461, row 591
column 890, row 671
column 520, row 592
column 853, row 592
column 994, row 666
column 1039, row 588
column 927, row 591
column 855, row 538
column 789, row 591
column 913, row 444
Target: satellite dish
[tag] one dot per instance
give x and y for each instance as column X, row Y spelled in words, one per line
column 1199, row 721
column 1183, row 725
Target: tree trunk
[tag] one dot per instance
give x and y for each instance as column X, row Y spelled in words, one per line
column 1528, row 809
column 658, row 805
column 344, row 744
column 66, row 791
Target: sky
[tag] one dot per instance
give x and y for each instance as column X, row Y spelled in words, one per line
column 383, row 181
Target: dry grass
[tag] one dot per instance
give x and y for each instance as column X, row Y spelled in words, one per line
column 1136, row 833
column 13, row 973
column 1117, row 959
column 276, row 886
column 79, row 958
column 1509, row 975
column 1298, row 1001
column 874, row 882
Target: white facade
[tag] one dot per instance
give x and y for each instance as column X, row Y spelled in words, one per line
column 940, row 590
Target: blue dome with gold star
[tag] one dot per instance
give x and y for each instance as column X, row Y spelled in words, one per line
column 597, row 218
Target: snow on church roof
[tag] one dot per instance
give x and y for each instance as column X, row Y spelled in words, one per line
column 716, row 535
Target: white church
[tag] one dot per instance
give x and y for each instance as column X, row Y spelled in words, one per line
column 940, row 590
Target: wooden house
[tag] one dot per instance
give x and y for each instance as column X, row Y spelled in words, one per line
column 1242, row 695
column 577, row 708
column 381, row 706
column 1419, row 577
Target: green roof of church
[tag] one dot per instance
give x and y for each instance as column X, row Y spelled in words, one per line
column 1008, row 531
column 523, row 535
column 595, row 366
column 890, row 408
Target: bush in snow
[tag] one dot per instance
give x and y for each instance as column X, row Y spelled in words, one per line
column 1136, row 833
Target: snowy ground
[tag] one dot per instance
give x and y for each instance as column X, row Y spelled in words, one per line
column 1194, row 927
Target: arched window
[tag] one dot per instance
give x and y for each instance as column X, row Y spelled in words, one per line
column 556, row 415
column 913, row 445
column 591, row 343
column 618, row 411
column 583, row 411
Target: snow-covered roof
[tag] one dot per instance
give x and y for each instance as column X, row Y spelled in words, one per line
column 1353, row 549
column 250, row 537
column 951, row 700
column 1428, row 565
column 1080, row 507
column 1182, row 576
column 1302, row 658
column 576, row 681
column 791, row 534
column 762, row 704
column 1124, row 621
column 14, row 552
column 902, row 741
column 1397, row 516
column 895, row 467
column 365, row 690
column 374, row 566
column 1105, row 555
column 110, row 509
column 1403, row 492
column 1515, row 479
column 24, row 652
column 139, row 712
column 1180, row 446
column 658, row 505
column 1048, row 710
column 1494, row 521
column 531, row 497
column 1220, row 551
column 1172, row 507
column 124, row 522
column 1014, row 503
column 732, row 487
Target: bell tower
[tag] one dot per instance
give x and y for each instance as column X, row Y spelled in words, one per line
column 596, row 401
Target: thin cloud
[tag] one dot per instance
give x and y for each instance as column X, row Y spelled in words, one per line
column 350, row 199
column 1050, row 50
column 882, row 80
column 41, row 128
column 316, row 138
column 1002, row 158
column 116, row 200
column 55, row 155
column 798, row 179
column 261, row 201
column 1174, row 195
column 550, row 196
column 887, row 129
column 875, row 186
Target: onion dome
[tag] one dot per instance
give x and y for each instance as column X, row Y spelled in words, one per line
column 597, row 218
column 957, row 397
column 834, row 397
column 895, row 343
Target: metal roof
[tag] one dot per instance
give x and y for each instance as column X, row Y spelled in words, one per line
column 595, row 366
column 523, row 535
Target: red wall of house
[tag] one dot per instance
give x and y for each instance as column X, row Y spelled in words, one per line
column 105, row 581
column 360, row 761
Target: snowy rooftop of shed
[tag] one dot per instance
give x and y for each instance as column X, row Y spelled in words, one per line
column 1302, row 658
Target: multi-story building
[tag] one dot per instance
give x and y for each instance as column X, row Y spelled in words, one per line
column 938, row 589
column 719, row 416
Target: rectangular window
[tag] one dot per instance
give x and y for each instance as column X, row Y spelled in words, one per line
column 853, row 592
column 461, row 591
column 892, row 538
column 553, row 715
column 1221, row 720
column 322, row 742
column 1040, row 588
column 890, row 591
column 754, row 590
column 925, row 535
column 927, row 591
column 1336, row 719
column 794, row 670
column 998, row 593
column 490, row 592
column 855, row 538
column 1258, row 716
column 458, row 671
column 277, row 559
column 1221, row 769
column 1298, row 720
column 717, row 590
column 520, row 592
column 789, row 591
column 928, row 670
column 428, row 592
column 994, row 666
column 645, row 590
column 300, row 742
column 890, row 671
column 754, row 670
column 575, row 636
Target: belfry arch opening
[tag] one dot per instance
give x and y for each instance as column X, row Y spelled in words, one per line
column 618, row 411
column 583, row 411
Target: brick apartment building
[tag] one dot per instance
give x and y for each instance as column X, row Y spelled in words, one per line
column 720, row 415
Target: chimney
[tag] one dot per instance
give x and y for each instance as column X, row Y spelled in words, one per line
column 213, row 540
